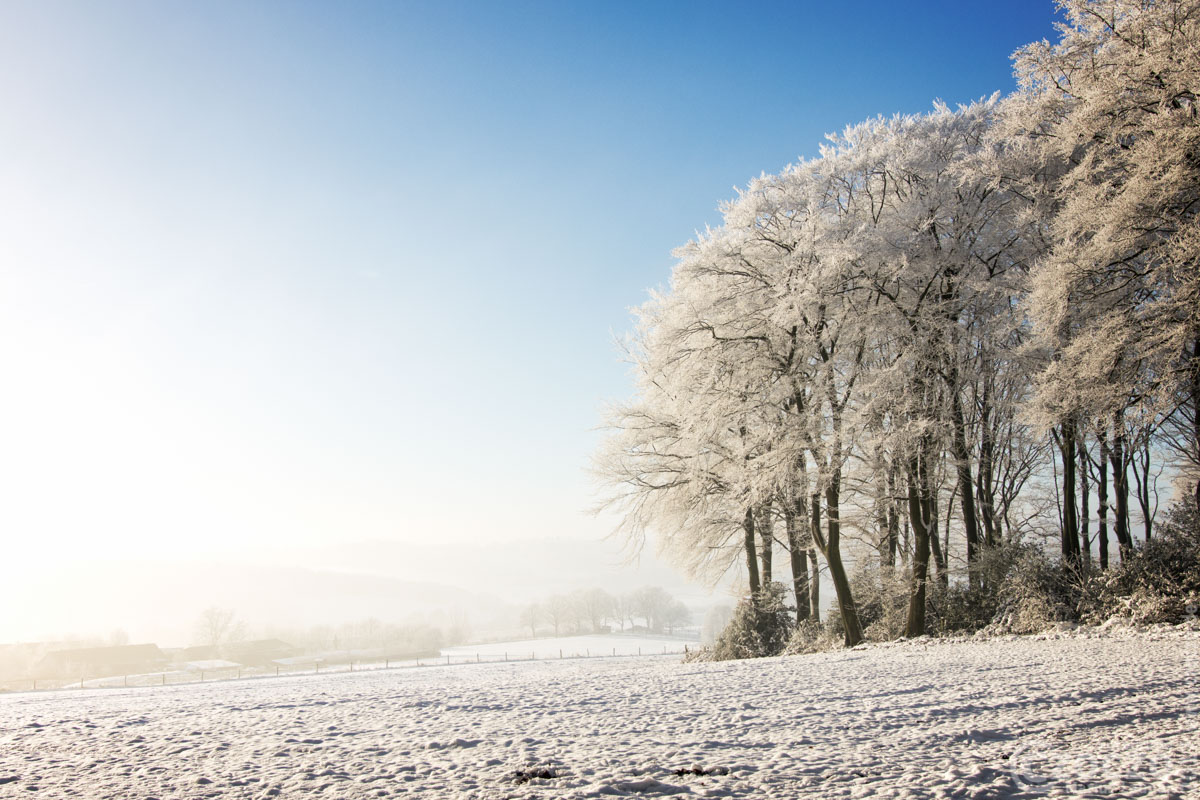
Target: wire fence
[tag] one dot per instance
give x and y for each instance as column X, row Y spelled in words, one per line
column 319, row 666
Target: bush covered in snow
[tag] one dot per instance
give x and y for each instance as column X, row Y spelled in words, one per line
column 1036, row 593
column 881, row 596
column 760, row 627
column 1024, row 591
column 1159, row 582
column 811, row 636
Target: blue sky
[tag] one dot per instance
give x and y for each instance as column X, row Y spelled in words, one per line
column 281, row 274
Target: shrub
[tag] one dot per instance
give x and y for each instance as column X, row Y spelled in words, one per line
column 1038, row 592
column 811, row 636
column 1158, row 583
column 963, row 607
column 760, row 627
column 881, row 597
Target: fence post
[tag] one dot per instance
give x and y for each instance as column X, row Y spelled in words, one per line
column 276, row 670
column 125, row 682
column 447, row 661
column 387, row 662
column 164, row 683
column 506, row 655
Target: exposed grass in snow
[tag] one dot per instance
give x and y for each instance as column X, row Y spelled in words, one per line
column 1086, row 713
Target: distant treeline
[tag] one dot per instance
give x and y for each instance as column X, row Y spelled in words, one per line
column 650, row 608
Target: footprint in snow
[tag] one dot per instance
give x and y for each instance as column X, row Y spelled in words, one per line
column 646, row 786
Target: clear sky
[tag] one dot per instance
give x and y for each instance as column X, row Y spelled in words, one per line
column 289, row 274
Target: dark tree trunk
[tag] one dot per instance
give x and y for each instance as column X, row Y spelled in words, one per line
column 1085, row 514
column 1192, row 407
column 833, row 557
column 799, row 557
column 751, row 556
column 1120, row 483
column 1141, row 479
column 987, row 461
column 814, row 585
column 1102, row 499
column 766, row 543
column 893, row 517
column 962, row 467
column 1070, row 522
column 940, row 564
column 921, row 519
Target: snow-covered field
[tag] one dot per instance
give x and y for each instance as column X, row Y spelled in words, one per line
column 1102, row 714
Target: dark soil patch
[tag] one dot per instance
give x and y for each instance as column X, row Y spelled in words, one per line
column 679, row 773
column 526, row 775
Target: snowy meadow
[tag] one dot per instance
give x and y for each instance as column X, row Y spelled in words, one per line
column 1083, row 713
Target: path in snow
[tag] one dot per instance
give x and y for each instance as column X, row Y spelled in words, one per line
column 1080, row 715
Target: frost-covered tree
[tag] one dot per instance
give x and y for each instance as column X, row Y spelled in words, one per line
column 894, row 336
column 1115, row 99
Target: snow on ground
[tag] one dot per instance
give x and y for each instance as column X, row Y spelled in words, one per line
column 575, row 647
column 1098, row 714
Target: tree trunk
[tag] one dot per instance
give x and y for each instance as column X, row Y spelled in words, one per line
column 1070, row 522
column 1120, row 484
column 1085, row 522
column 833, row 557
column 814, row 585
column 1193, row 407
column 766, row 541
column 921, row 520
column 940, row 549
column 893, row 517
column 1102, row 499
column 799, row 557
column 962, row 466
column 1141, row 478
column 751, row 556
column 987, row 460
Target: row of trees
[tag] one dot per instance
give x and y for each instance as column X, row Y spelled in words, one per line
column 987, row 318
column 596, row 611
column 221, row 628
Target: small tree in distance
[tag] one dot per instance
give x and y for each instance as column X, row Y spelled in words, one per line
column 677, row 615
column 531, row 615
column 218, row 627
